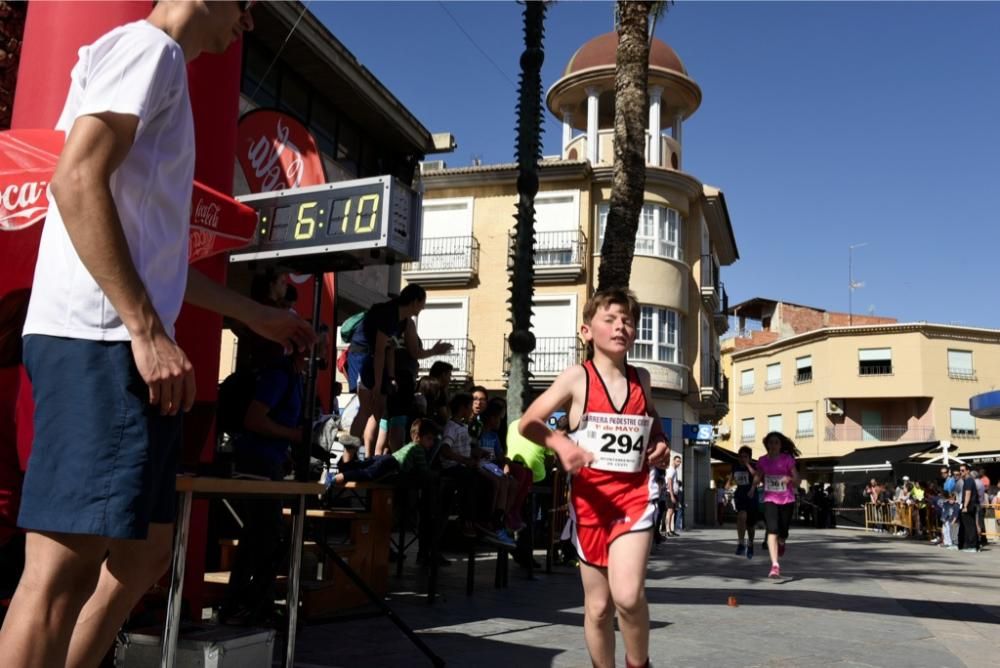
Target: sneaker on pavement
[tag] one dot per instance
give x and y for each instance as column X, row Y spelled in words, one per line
column 741, row 549
column 775, row 571
column 970, row 549
column 952, row 547
column 750, row 551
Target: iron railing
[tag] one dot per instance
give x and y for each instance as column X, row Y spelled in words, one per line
column 559, row 248
column 711, row 375
column 709, row 273
column 746, row 389
column 459, row 254
column 964, row 433
column 874, row 369
column 551, row 356
column 961, row 373
column 803, row 376
column 462, row 357
column 843, row 432
column 723, row 310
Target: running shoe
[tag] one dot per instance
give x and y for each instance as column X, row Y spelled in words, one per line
column 749, row 550
column 775, row 571
column 781, row 550
column 741, row 549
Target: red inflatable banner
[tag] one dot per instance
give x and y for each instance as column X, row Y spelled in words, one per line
column 28, row 159
column 277, row 152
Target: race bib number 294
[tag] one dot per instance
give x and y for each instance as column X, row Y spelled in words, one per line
column 618, row 442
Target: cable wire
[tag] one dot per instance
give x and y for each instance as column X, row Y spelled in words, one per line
column 479, row 48
column 263, row 78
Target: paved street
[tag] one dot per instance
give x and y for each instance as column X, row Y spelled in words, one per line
column 848, row 599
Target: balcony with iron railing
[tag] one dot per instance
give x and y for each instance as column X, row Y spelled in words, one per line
column 961, row 373
column 445, row 261
column 559, row 255
column 721, row 315
column 712, row 381
column 462, row 359
column 710, row 283
column 551, row 356
column 883, row 433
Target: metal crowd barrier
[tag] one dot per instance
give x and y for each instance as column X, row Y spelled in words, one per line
column 901, row 516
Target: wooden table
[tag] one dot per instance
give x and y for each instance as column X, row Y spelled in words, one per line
column 187, row 488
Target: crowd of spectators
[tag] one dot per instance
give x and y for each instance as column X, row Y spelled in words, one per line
column 950, row 511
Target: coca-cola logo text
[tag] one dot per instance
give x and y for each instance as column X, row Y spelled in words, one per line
column 206, row 214
column 22, row 205
column 272, row 165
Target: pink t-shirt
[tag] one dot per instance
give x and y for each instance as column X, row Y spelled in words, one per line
column 773, row 469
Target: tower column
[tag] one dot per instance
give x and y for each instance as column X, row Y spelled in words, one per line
column 653, row 155
column 592, row 109
column 567, row 128
column 676, row 132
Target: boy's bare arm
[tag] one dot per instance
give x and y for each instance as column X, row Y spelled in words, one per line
column 561, row 394
column 659, row 450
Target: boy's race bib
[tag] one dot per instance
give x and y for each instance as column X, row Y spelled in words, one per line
column 773, row 483
column 742, row 478
column 618, row 442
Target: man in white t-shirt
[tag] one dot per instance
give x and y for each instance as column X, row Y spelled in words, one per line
column 670, row 482
column 108, row 377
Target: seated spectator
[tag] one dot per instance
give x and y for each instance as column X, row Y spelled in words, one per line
column 460, row 465
column 410, row 460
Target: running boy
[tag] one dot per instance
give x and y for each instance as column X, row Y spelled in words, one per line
column 745, row 499
column 615, row 436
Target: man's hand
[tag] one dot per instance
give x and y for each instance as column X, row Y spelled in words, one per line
column 282, row 326
column 167, row 372
column 574, row 458
column 441, row 348
column 659, row 455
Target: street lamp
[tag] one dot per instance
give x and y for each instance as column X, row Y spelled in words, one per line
column 851, row 284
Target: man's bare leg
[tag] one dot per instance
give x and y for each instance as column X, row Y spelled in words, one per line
column 627, row 559
column 670, row 520
column 60, row 573
column 599, row 616
column 132, row 567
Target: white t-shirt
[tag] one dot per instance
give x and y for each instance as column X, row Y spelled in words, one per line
column 135, row 69
column 671, row 479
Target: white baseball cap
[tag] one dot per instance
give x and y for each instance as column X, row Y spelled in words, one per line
column 906, row 477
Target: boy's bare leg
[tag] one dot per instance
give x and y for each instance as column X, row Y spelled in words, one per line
column 381, row 441
column 60, row 573
column 360, row 422
column 132, row 567
column 599, row 616
column 627, row 559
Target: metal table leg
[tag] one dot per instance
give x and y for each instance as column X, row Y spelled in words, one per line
column 294, row 572
column 168, row 651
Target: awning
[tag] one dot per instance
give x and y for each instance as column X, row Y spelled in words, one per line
column 28, row 159
column 982, row 458
column 725, row 456
column 986, row 405
column 883, row 456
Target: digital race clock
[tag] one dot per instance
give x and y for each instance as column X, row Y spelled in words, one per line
column 335, row 226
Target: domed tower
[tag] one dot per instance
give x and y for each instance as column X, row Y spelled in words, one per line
column 684, row 232
column 584, row 99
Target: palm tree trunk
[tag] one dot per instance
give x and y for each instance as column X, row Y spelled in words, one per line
column 529, row 153
column 628, row 181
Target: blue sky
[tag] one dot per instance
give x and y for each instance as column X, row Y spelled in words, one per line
column 826, row 124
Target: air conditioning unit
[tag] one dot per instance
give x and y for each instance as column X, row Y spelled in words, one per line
column 431, row 166
column 834, row 406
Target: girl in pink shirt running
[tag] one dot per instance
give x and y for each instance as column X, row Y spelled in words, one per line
column 778, row 472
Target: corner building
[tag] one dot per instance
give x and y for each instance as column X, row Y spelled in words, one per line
column 841, row 384
column 685, row 236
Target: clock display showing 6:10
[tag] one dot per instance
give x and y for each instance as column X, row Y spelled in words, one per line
column 314, row 219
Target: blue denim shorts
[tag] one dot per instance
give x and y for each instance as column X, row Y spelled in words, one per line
column 103, row 461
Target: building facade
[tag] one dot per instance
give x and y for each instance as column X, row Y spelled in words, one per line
column 685, row 236
column 837, row 388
